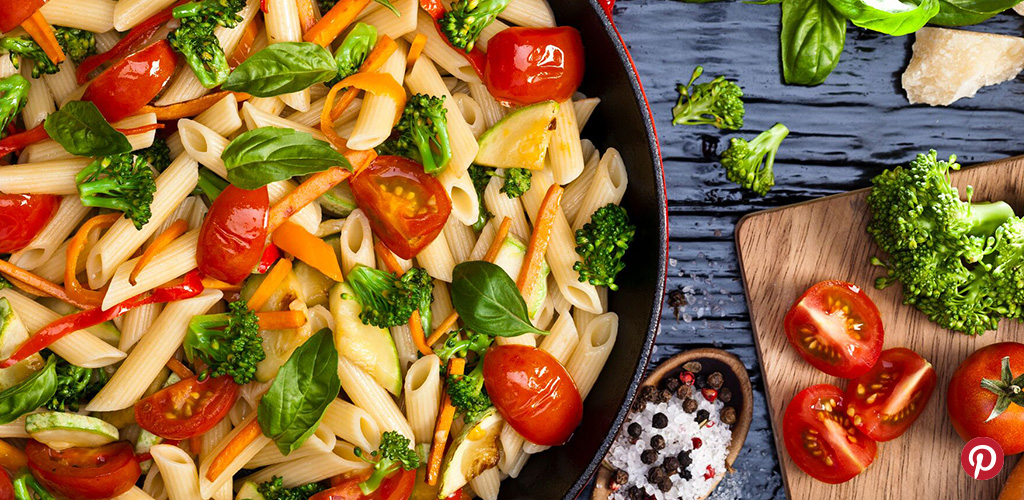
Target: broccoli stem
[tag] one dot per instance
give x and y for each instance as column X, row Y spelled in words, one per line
column 190, row 9
column 23, row 482
column 986, row 217
column 211, row 184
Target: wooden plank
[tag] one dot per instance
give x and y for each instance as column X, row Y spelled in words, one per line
column 784, row 251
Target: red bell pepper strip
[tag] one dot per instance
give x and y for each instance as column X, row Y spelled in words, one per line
column 136, row 38
column 476, row 57
column 191, row 286
column 270, row 256
column 19, row 141
column 263, row 7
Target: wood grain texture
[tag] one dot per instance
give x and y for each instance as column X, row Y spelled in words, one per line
column 784, row 251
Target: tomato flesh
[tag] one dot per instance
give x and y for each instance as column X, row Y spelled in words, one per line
column 822, row 439
column 970, row 405
column 528, row 65
column 188, row 408
column 886, row 400
column 22, row 217
column 84, row 473
column 533, row 393
column 836, row 328
column 407, row 208
column 15, row 12
column 6, row 488
column 397, row 486
column 233, row 234
column 124, row 88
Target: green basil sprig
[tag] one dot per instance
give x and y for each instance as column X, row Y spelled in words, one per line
column 297, row 399
column 269, row 154
column 968, row 12
column 488, row 301
column 901, row 18
column 813, row 35
column 81, row 130
column 282, row 68
column 30, row 394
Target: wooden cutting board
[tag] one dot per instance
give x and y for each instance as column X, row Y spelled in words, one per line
column 784, row 251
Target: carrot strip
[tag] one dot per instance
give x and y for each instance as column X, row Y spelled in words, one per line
column 141, row 130
column 191, row 108
column 42, row 33
column 307, row 16
column 415, row 322
column 75, row 289
column 334, row 22
column 294, row 239
column 179, row 369
column 11, row 458
column 281, row 320
column 415, row 49
column 443, row 425
column 45, row 286
column 21, row 285
column 216, row 284
column 388, row 258
column 538, row 246
column 239, row 442
column 492, row 252
column 176, row 229
column 244, row 47
column 315, row 186
column 274, row 279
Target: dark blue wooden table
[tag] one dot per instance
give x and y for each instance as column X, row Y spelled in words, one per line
column 842, row 133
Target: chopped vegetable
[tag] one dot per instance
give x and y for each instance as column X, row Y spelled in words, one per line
column 422, row 134
column 195, row 38
column 76, row 43
column 481, row 176
column 745, row 162
column 395, row 452
column 353, row 51
column 602, row 243
column 388, row 300
column 275, row 490
column 75, row 385
column 716, row 103
column 158, row 154
column 463, row 23
column 517, row 182
column 20, row 46
column 229, row 343
column 467, row 391
column 13, row 96
column 24, row 482
column 122, row 182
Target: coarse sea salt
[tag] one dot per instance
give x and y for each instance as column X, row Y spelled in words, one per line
column 682, row 428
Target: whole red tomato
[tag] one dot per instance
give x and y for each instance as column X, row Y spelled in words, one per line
column 397, row 486
column 528, row 65
column 977, row 388
column 22, row 216
column 188, row 408
column 533, row 392
column 84, row 473
column 891, row 395
column 124, row 88
column 821, row 438
column 15, row 12
column 407, row 208
column 233, row 234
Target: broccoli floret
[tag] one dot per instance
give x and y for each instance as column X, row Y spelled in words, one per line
column 517, row 182
column 353, row 51
column 158, row 154
column 229, row 343
column 422, row 134
column 275, row 490
column 745, row 162
column 75, row 385
column 453, row 347
column 21, row 46
column 481, row 176
column 463, row 23
column 602, row 243
column 4, row 284
column 25, row 485
column 395, row 452
column 388, row 300
column 77, row 44
column 221, row 12
column 122, row 182
column 196, row 41
column 467, row 391
column 13, row 96
column 717, row 103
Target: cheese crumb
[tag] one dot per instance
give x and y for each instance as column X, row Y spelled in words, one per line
column 948, row 65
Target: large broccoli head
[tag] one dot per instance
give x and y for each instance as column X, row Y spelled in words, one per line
column 601, row 244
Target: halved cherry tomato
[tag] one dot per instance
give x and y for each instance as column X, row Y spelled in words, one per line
column 15, row 12
column 407, row 207
column 890, row 396
column 836, row 327
column 22, row 216
column 397, row 486
column 821, row 438
column 188, row 408
column 528, row 65
column 233, row 234
column 124, row 88
column 6, row 488
column 84, row 473
column 533, row 392
column 970, row 402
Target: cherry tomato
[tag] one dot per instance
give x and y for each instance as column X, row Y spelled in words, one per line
column 970, row 404
column 533, row 393
column 397, row 486
column 22, row 216
column 15, row 12
column 821, row 438
column 6, row 488
column 84, row 473
column 124, row 88
column 887, row 399
column 528, row 65
column 407, row 208
column 836, row 327
column 188, row 408
column 233, row 234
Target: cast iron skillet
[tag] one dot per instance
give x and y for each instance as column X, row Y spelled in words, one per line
column 623, row 121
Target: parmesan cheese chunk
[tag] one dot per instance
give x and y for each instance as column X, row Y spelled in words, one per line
column 951, row 64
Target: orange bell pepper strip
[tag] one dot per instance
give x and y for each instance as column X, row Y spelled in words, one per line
column 415, row 49
column 334, row 22
column 12, row 458
column 239, row 442
column 294, row 239
column 244, row 48
column 307, row 14
column 315, row 186
column 75, row 289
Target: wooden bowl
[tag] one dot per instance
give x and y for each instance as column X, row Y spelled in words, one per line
column 736, row 380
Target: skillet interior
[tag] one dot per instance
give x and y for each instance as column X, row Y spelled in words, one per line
column 621, row 121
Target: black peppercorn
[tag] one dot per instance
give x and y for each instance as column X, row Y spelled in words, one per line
column 659, row 421
column 692, row 366
column 701, row 382
column 672, row 383
column 621, row 477
column 658, row 442
column 685, row 474
column 635, row 493
column 724, row 395
column 715, row 380
column 728, row 415
column 684, row 459
column 649, row 393
column 684, row 391
column 639, row 405
column 655, row 475
column 649, row 456
column 671, row 465
column 634, row 430
column 690, row 405
column 702, row 416
column 665, row 396
column 665, row 484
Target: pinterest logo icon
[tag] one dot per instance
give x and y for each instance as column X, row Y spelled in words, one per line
column 982, row 458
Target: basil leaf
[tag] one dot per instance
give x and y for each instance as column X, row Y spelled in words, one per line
column 892, row 17
column 81, row 130
column 305, row 385
column 269, row 154
column 30, row 394
column 813, row 35
column 488, row 301
column 968, row 12
column 282, row 68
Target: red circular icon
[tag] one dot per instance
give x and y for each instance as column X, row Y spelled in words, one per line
column 982, row 458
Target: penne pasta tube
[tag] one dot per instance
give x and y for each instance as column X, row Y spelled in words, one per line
column 321, row 441
column 491, row 111
column 608, row 185
column 172, row 262
column 136, row 323
column 204, row 145
column 352, row 424
column 177, row 470
column 423, row 396
column 90, row 15
column 282, row 23
column 461, row 239
column 562, row 337
column 592, row 352
column 465, row 200
column 564, row 153
column 584, row 109
column 379, row 112
column 471, row 112
column 366, row 394
column 486, row 484
column 574, row 193
column 356, row 242
column 529, row 13
column 69, row 214
column 256, row 118
column 48, row 177
column 436, row 258
column 310, row 215
column 502, row 206
column 63, row 83
column 222, row 117
column 313, row 468
column 39, row 103
column 129, row 13
column 135, row 493
column 438, row 50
